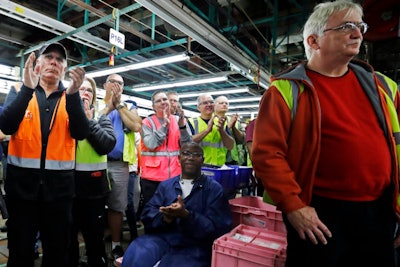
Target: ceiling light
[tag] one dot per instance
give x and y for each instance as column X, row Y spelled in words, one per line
column 186, row 82
column 244, row 106
column 248, row 76
column 184, row 19
column 140, row 65
column 224, row 91
column 234, row 100
column 243, row 114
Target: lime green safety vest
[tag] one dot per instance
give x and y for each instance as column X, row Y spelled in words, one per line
column 213, row 147
column 129, row 153
column 234, row 154
column 87, row 159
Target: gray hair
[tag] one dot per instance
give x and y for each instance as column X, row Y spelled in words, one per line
column 200, row 96
column 316, row 23
column 156, row 93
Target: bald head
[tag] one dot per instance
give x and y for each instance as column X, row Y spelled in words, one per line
column 221, row 106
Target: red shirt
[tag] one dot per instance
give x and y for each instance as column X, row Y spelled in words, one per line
column 250, row 131
column 355, row 162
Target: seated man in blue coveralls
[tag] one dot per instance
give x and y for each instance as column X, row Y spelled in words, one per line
column 183, row 218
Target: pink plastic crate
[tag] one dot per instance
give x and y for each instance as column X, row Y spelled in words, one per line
column 247, row 246
column 250, row 210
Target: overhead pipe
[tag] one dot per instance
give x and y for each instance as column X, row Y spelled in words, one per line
column 188, row 22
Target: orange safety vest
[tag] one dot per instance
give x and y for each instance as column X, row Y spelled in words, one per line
column 162, row 162
column 25, row 146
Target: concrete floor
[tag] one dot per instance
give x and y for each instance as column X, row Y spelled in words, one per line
column 4, row 249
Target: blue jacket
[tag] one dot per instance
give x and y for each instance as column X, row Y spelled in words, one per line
column 185, row 239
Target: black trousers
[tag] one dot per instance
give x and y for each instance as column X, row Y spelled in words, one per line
column 148, row 188
column 88, row 218
column 362, row 235
column 53, row 221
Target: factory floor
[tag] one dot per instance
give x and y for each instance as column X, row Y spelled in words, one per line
column 4, row 249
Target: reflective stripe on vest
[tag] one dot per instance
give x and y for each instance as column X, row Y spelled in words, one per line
column 160, row 153
column 87, row 159
column 25, row 145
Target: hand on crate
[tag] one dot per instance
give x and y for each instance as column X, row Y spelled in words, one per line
column 307, row 224
column 175, row 210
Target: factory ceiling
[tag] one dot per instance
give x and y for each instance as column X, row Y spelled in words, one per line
column 244, row 41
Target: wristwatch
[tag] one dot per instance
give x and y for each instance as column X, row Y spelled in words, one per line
column 119, row 106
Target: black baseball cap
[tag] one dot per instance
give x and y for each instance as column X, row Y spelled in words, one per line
column 52, row 47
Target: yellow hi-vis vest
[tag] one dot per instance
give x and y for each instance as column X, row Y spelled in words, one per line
column 213, row 147
column 87, row 159
column 129, row 153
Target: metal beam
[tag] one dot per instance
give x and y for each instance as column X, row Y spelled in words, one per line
column 38, row 20
column 188, row 22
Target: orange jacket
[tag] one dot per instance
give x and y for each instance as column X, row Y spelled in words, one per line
column 25, row 146
column 162, row 162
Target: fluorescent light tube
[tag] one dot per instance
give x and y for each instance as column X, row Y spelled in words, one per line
column 243, row 113
column 139, row 65
column 234, row 100
column 180, row 83
column 224, row 91
column 244, row 106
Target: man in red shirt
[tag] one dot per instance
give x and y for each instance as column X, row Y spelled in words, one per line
column 327, row 158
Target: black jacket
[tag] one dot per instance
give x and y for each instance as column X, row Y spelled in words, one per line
column 41, row 184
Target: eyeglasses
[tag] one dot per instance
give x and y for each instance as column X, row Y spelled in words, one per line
column 115, row 81
column 188, row 154
column 207, row 102
column 350, row 27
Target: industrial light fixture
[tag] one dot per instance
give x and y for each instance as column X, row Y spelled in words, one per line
column 184, row 19
column 224, row 91
column 248, row 76
column 10, row 73
column 244, row 106
column 145, row 107
column 252, row 114
column 234, row 100
column 186, row 82
column 140, row 65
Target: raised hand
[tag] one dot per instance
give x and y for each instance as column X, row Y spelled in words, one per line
column 77, row 75
column 233, row 120
column 221, row 123
column 88, row 110
column 181, row 121
column 31, row 73
column 166, row 112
